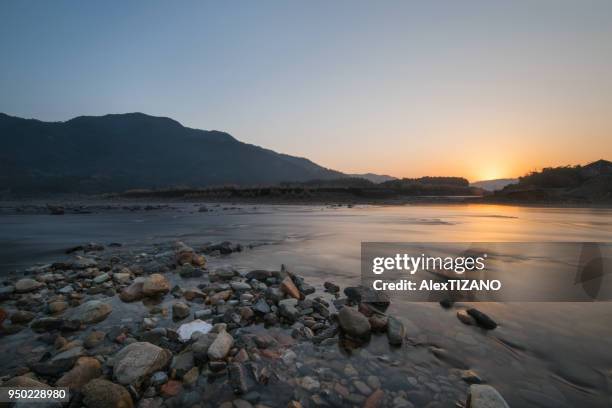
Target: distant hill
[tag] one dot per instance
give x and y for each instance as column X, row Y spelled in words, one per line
column 374, row 178
column 589, row 183
column 493, row 185
column 94, row 154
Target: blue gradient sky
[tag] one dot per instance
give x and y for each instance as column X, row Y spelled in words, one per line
column 482, row 89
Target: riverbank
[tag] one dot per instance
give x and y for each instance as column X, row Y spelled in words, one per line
column 168, row 327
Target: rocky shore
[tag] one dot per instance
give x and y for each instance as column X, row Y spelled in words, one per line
column 167, row 327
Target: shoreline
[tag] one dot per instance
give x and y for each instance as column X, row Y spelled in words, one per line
column 168, row 326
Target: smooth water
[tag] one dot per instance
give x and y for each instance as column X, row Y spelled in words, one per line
column 542, row 354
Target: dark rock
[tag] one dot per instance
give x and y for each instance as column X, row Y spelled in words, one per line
column 99, row 393
column 331, row 288
column 482, row 319
column 354, row 323
column 238, row 378
column 22, row 316
column 395, row 331
column 46, row 324
column 180, row 311
column 259, row 274
column 261, row 306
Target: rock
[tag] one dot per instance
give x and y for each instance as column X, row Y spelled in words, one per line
column 171, row 388
column 181, row 363
column 362, row 387
column 238, row 378
column 220, row 346
column 308, row 383
column 122, row 277
column 395, row 331
column 59, row 363
column 375, row 399
column 484, row 396
column 201, row 346
column 259, row 274
column 85, row 370
column 465, row 318
column 240, row 403
column 138, row 360
column 93, row 311
column 24, row 382
column 373, row 381
column 186, row 255
column 288, row 311
column 190, row 378
column 261, row 306
column 331, row 288
column 190, row 294
column 155, row 285
column 93, row 339
column 289, row 288
column 66, row 290
column 27, row 285
column 225, row 273
column 99, row 393
column 482, row 319
column 180, row 310
column 133, row 292
column 378, row 299
column 44, row 324
column 203, row 314
column 185, row 331
column 101, row 278
column 378, row 323
column 219, row 296
column 470, row 377
column 158, row 378
column 240, row 286
column 22, row 316
column 353, row 323
column 57, row 307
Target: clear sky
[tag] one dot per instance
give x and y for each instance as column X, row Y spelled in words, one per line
column 481, row 89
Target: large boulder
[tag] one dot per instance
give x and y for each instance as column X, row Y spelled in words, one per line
column 138, row 360
column 93, row 311
column 99, row 393
column 155, row 285
column 484, row 396
column 27, row 285
column 85, row 370
column 220, row 346
column 354, row 323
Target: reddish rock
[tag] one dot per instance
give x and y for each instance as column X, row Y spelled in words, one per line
column 375, row 399
column 288, row 287
column 171, row 388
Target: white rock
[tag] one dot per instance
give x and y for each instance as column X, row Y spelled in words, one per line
column 185, row 331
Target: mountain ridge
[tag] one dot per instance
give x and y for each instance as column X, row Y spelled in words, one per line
column 116, row 152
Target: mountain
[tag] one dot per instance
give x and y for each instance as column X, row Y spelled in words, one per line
column 495, row 184
column 93, row 154
column 374, row 178
column 589, row 183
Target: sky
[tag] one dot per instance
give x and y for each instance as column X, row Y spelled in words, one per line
column 480, row 89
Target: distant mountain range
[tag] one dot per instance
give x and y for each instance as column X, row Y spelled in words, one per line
column 93, row 154
column 374, row 178
column 588, row 183
column 495, row 184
